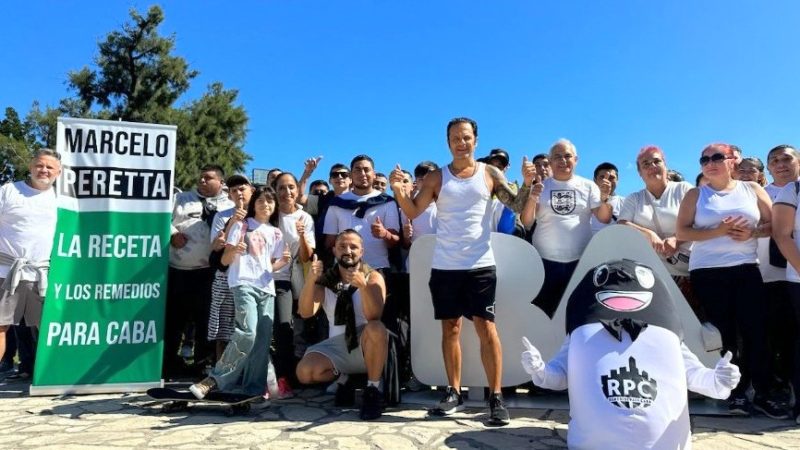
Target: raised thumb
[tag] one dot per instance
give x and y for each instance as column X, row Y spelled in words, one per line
column 524, row 160
column 527, row 344
column 397, row 167
column 314, row 258
column 377, row 220
column 727, row 356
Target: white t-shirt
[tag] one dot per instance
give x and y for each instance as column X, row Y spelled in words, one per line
column 770, row 273
column 425, row 223
column 788, row 196
column 616, row 202
column 337, row 219
column 254, row 268
column 27, row 224
column 638, row 208
column 288, row 226
column 562, row 218
column 329, row 306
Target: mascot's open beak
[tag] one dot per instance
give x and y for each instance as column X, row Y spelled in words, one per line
column 625, row 301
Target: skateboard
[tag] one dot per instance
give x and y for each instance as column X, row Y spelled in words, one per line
column 174, row 401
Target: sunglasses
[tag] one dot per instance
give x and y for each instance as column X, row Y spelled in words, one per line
column 715, row 158
column 340, row 175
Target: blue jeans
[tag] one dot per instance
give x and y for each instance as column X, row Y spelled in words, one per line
column 247, row 353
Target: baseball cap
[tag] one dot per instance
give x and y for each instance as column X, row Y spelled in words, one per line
column 236, row 180
column 500, row 154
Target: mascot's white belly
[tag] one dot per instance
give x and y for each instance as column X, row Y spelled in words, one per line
column 628, row 394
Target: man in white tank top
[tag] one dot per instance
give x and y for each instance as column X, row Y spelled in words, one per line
column 463, row 277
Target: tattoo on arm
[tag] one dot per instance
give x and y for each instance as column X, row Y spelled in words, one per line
column 504, row 193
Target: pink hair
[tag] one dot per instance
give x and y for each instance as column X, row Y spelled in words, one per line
column 647, row 149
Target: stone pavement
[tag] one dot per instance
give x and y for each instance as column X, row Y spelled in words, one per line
column 309, row 421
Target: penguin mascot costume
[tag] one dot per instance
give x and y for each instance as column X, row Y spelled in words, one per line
column 625, row 364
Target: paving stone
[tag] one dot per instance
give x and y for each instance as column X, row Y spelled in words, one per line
column 350, row 443
column 342, row 429
column 391, row 441
column 170, row 438
column 302, row 413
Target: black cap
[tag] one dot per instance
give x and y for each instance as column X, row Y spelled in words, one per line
column 499, row 154
column 236, row 180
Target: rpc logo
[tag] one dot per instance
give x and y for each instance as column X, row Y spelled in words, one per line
column 629, row 388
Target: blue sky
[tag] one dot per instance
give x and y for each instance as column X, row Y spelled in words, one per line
column 383, row 78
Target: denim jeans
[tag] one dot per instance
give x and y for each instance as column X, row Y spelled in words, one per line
column 247, row 353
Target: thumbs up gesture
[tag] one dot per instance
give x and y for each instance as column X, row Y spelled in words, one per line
column 532, row 361
column 396, row 179
column 726, row 374
column 287, row 253
column 316, row 269
column 528, row 171
column 408, row 230
column 377, row 228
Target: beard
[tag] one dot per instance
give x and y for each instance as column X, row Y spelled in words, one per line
column 349, row 262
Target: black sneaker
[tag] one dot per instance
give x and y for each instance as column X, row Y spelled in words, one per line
column 371, row 403
column 769, row 408
column 738, row 405
column 452, row 402
column 498, row 414
column 345, row 395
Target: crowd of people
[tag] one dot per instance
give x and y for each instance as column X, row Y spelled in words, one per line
column 302, row 281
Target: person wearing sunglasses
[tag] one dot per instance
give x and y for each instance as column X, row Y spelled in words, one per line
column 724, row 219
column 317, row 204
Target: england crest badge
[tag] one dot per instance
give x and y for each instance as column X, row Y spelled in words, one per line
column 562, row 201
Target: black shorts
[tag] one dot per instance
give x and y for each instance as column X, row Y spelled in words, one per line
column 465, row 293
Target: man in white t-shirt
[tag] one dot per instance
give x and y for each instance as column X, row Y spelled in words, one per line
column 562, row 211
column 371, row 213
column 606, row 177
column 28, row 214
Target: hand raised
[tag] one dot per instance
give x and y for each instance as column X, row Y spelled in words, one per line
column 532, row 359
column 316, row 268
column 726, row 374
column 377, row 228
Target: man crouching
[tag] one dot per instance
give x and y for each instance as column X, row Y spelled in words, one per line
column 352, row 295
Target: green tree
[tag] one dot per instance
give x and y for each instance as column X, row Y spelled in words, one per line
column 135, row 77
column 16, row 143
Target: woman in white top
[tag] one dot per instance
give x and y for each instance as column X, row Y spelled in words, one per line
column 654, row 210
column 297, row 228
column 724, row 218
column 561, row 207
column 783, row 286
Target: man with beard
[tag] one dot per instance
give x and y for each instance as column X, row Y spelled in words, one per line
column 352, row 295
column 366, row 210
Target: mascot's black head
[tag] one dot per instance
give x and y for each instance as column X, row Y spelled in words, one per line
column 622, row 292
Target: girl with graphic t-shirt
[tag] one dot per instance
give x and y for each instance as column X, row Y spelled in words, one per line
column 251, row 261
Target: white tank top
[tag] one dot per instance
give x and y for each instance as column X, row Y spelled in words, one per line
column 330, row 308
column 463, row 233
column 712, row 207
